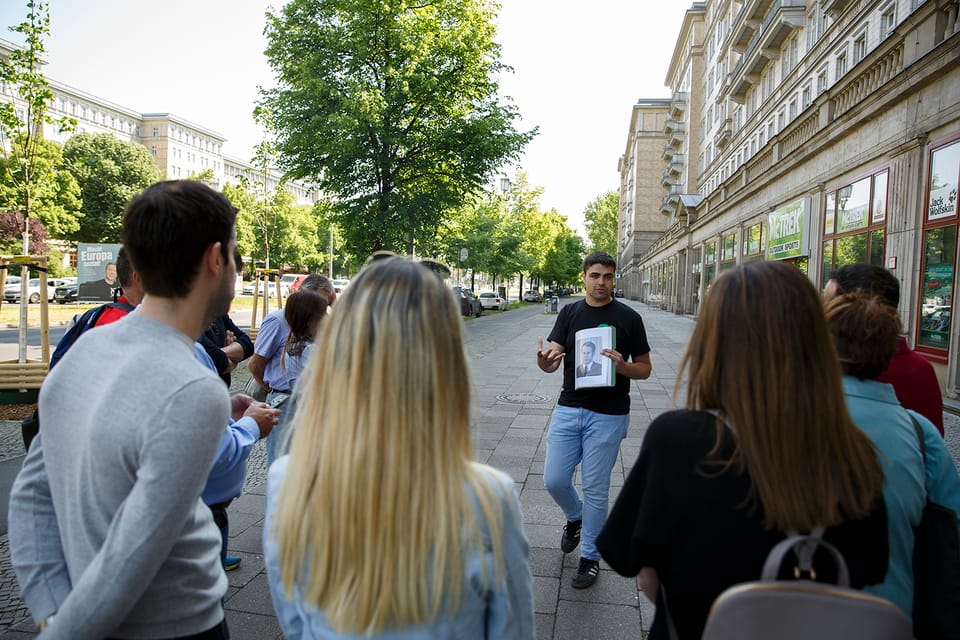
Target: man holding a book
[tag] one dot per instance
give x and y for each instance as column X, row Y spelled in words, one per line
column 592, row 414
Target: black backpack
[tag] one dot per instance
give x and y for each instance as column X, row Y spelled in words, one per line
column 30, row 426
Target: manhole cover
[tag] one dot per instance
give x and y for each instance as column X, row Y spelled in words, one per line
column 521, row 398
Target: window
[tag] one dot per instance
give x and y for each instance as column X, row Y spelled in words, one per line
column 709, row 264
column 860, row 46
column 156, row 131
column 754, row 242
column 805, row 99
column 813, row 27
column 840, row 63
column 153, row 150
column 888, row 19
column 728, row 250
column 792, row 109
column 854, row 225
column 822, row 80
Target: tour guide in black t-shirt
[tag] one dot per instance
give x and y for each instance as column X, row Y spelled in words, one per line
column 588, row 424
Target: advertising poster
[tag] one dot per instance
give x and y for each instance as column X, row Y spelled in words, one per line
column 788, row 230
column 97, row 272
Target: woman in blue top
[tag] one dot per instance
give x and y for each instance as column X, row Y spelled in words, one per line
column 303, row 312
column 379, row 522
column 865, row 332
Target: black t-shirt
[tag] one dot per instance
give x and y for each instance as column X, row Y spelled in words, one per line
column 695, row 530
column 631, row 339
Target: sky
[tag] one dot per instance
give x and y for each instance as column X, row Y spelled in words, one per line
column 577, row 73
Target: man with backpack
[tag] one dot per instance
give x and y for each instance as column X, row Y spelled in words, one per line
column 130, row 296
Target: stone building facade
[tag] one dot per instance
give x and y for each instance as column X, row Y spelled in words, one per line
column 829, row 134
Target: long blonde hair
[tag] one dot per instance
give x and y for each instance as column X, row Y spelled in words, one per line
column 762, row 358
column 375, row 517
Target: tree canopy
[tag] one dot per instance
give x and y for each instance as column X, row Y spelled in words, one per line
column 601, row 216
column 109, row 172
column 392, row 108
column 26, row 172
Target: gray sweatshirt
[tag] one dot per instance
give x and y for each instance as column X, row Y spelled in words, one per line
column 107, row 529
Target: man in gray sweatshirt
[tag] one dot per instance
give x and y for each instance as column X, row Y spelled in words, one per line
column 108, row 535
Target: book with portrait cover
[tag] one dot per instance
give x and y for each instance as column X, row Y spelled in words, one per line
column 593, row 369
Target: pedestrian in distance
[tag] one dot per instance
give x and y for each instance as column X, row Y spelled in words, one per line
column 108, row 534
column 913, row 378
column 379, row 522
column 265, row 366
column 865, row 330
column 765, row 446
column 303, row 311
column 588, row 424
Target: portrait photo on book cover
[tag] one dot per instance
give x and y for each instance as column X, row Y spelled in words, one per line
column 588, row 357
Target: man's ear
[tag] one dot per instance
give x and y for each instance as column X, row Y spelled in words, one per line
column 213, row 258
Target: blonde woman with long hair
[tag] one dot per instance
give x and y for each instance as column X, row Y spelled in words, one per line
column 764, row 447
column 379, row 522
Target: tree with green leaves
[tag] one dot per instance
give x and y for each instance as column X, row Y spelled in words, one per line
column 56, row 203
column 22, row 120
column 110, row 172
column 601, row 216
column 392, row 108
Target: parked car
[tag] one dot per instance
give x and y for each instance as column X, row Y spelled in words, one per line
column 618, row 293
column 491, row 300
column 12, row 292
column 532, row 296
column 271, row 289
column 66, row 293
column 469, row 304
column 339, row 284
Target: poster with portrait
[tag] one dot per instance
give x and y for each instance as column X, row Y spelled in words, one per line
column 97, row 272
column 591, row 368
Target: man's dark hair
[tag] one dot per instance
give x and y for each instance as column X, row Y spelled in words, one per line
column 168, row 227
column 598, row 257
column 124, row 269
column 870, row 278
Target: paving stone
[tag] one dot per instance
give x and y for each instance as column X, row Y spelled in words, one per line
column 579, row 620
column 254, row 598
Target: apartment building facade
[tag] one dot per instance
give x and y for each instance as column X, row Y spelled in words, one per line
column 829, row 134
column 179, row 148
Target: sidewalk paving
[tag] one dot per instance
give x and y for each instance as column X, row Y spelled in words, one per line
column 511, row 405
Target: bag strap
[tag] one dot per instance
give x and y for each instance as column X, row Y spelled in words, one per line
column 804, row 546
column 923, row 450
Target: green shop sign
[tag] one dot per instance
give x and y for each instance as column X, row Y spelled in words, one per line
column 788, row 231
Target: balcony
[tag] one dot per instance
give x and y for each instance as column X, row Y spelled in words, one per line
column 833, row 8
column 746, row 23
column 724, row 134
column 676, row 164
column 667, row 181
column 668, row 152
column 678, row 104
column 783, row 17
column 669, row 204
column 675, row 136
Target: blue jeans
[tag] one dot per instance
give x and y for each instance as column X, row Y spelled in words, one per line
column 591, row 439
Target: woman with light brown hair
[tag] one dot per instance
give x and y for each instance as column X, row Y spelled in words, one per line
column 379, row 522
column 764, row 447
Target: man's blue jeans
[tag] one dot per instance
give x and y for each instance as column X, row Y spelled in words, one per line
column 580, row 436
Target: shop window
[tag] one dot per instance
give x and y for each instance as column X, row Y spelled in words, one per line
column 709, row 264
column 939, row 249
column 754, row 243
column 728, row 251
column 854, row 223
column 936, row 297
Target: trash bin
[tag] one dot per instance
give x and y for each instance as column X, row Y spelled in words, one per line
column 554, row 304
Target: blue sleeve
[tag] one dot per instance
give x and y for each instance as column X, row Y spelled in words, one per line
column 290, row 622
column 235, row 445
column 510, row 613
column 36, row 550
column 943, row 481
column 267, row 343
